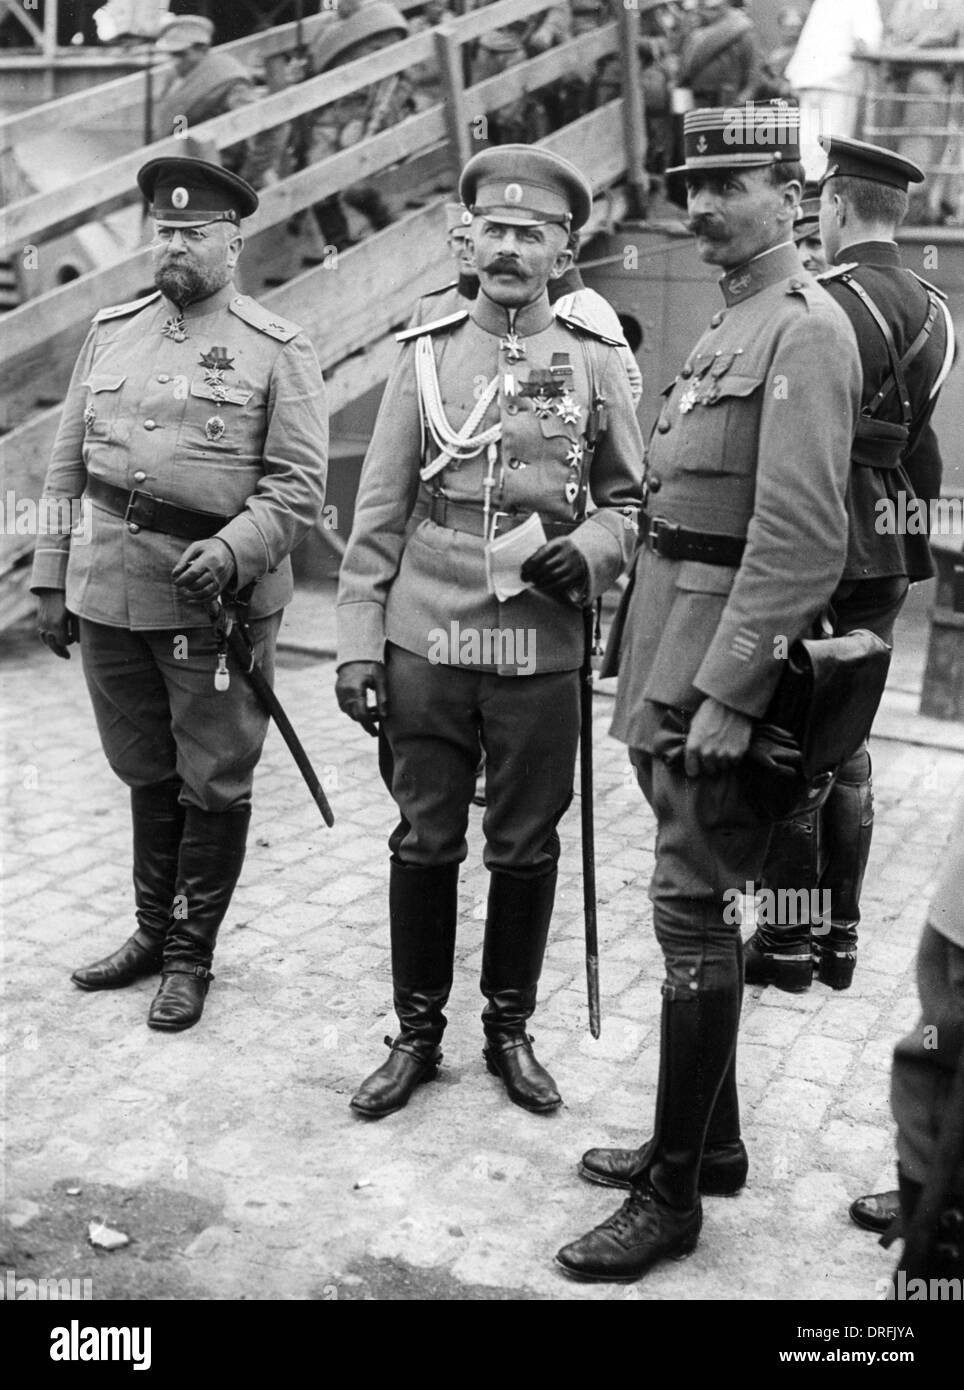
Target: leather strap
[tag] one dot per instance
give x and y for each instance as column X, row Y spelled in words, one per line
column 675, row 543
column 152, row 513
column 898, row 364
column 469, row 517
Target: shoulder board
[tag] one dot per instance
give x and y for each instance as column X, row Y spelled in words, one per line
column 578, row 326
column 263, row 319
column 121, row 311
column 442, row 289
column 835, row 271
column 438, row 326
column 926, row 283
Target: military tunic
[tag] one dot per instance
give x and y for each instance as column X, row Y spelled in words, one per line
column 753, row 442
column 220, row 411
column 412, row 588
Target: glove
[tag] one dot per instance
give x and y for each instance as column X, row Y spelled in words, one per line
column 355, row 680
column 557, row 568
column 204, row 569
column 56, row 625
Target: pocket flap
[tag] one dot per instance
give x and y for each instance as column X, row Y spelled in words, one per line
column 105, row 383
column 698, row 578
column 220, row 395
column 729, row 385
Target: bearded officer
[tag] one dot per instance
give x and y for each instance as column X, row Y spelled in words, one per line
column 527, row 419
column 195, row 431
column 906, row 342
column 743, row 538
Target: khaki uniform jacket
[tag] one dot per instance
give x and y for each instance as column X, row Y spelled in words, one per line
column 753, row 441
column 404, row 577
column 144, row 412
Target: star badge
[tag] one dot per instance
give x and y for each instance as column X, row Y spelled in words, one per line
column 174, row 329
column 214, row 428
column 513, row 346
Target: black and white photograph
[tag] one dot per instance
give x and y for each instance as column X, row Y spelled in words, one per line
column 482, row 668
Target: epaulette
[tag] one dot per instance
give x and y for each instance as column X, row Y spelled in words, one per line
column 926, row 283
column 578, row 326
column 263, row 319
column 835, row 270
column 121, row 311
column 438, row 326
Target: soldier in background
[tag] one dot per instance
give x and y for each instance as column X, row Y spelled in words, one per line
column 806, row 231
column 719, row 60
column 205, row 85
column 906, row 341
column 527, row 119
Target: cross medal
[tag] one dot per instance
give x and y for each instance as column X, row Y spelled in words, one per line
column 174, row 328
column 513, row 346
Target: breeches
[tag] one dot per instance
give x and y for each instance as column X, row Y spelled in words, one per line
column 709, row 844
column 440, row 721
column 159, row 714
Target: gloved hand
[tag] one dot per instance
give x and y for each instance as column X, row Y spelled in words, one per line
column 352, row 685
column 56, row 625
column 775, row 751
column 556, row 567
column 204, row 569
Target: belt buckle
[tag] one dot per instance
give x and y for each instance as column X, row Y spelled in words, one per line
column 658, row 528
column 134, row 501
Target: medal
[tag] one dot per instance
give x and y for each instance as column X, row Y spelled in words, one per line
column 174, row 328
column 513, row 346
column 214, row 428
column 689, row 398
column 89, row 417
column 542, row 406
column 567, row 410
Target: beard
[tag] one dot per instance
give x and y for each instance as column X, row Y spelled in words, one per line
column 184, row 283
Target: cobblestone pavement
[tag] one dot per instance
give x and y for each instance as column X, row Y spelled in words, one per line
column 228, row 1153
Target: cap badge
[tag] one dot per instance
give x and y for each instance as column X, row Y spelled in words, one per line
column 702, row 145
column 214, row 428
column 513, row 194
column 180, row 198
column 466, row 218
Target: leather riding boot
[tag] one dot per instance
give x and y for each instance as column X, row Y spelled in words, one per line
column 423, row 912
column 779, row 952
column 208, row 869
column 725, row 1163
column 662, row 1217
column 516, row 931
column 848, row 827
column 158, row 821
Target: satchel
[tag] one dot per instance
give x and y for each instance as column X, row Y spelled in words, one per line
column 820, row 714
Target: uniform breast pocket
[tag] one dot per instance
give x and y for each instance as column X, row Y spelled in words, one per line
column 219, row 423
column 719, row 431
column 102, row 411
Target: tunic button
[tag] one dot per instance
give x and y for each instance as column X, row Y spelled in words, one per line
column 717, row 319
column 511, row 408
column 664, row 425
column 133, row 527
column 655, row 483
column 150, row 424
column 139, row 477
column 163, row 378
column 687, row 372
column 796, row 284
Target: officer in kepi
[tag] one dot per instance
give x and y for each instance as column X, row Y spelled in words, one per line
column 743, row 538
column 195, row 434
column 498, row 416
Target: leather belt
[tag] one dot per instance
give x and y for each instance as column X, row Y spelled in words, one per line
column 470, row 517
column 675, row 543
column 153, row 513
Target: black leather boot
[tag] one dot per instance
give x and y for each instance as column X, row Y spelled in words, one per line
column 848, row 827
column 662, row 1217
column 208, row 869
column 725, row 1163
column 781, row 953
column 423, row 912
column 158, row 821
column 516, row 931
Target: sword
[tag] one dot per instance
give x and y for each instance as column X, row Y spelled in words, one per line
column 232, row 632
column 590, row 619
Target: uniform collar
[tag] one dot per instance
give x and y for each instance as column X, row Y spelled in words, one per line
column 494, row 318
column 754, row 275
column 869, row 253
column 200, row 308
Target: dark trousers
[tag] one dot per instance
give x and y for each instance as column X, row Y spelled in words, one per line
column 159, row 714
column 440, row 719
